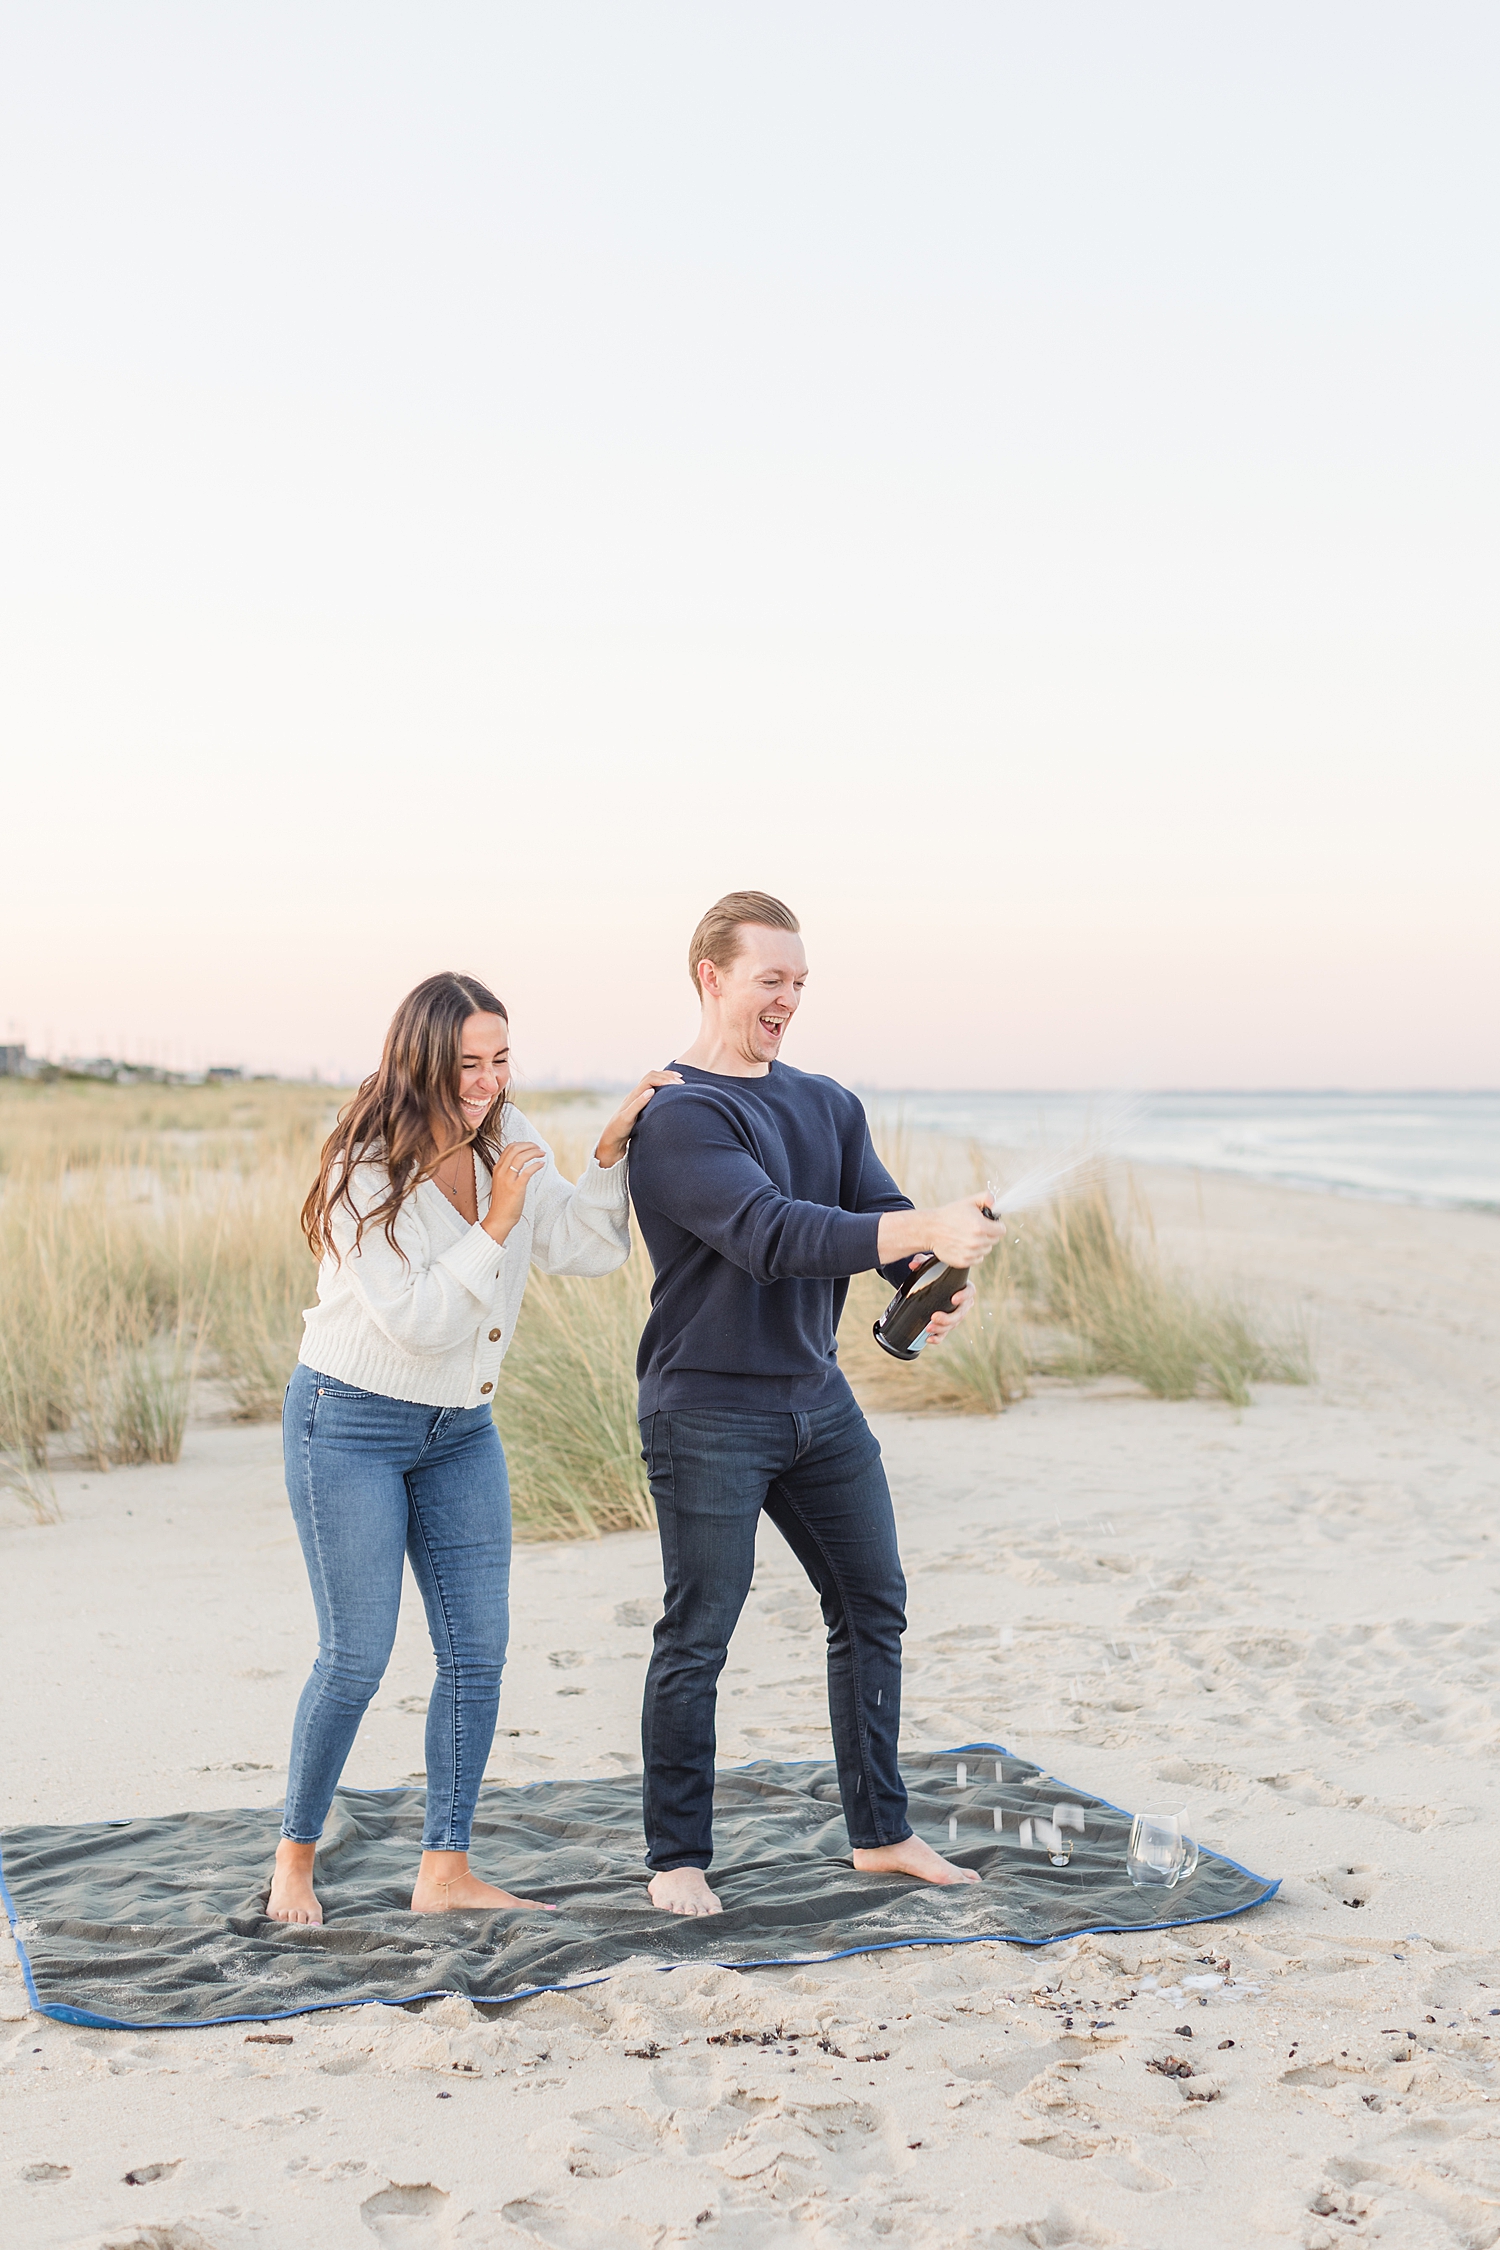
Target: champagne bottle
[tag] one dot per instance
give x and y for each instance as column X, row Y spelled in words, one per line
column 901, row 1328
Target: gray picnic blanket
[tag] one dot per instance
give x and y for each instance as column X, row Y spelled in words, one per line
column 153, row 1923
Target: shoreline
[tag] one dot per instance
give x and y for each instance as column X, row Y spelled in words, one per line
column 1436, row 1147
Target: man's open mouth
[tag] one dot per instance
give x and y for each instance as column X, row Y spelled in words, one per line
column 773, row 1025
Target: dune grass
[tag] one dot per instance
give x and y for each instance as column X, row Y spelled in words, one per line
column 566, row 1405
column 149, row 1241
column 147, row 1238
column 1101, row 1279
column 92, row 1335
column 262, row 1279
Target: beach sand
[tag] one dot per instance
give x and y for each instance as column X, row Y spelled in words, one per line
column 1281, row 1619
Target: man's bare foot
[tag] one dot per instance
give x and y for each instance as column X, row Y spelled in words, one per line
column 683, row 1890
column 446, row 1886
column 913, row 1857
column 292, row 1896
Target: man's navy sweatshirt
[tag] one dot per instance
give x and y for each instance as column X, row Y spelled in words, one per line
column 758, row 1198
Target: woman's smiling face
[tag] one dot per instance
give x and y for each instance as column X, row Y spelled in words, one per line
column 484, row 1067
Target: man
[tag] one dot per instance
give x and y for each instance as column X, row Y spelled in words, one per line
column 759, row 1194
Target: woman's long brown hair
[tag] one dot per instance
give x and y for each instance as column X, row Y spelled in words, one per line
column 390, row 1119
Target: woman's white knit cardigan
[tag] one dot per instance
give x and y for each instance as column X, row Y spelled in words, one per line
column 434, row 1330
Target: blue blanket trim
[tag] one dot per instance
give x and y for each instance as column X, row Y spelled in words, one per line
column 81, row 2016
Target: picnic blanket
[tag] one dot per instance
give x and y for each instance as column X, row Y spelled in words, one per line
column 159, row 1922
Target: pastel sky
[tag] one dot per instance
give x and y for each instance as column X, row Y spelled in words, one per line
column 1019, row 482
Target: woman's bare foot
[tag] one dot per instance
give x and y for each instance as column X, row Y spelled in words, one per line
column 445, row 1886
column 913, row 1857
column 683, row 1890
column 292, row 1896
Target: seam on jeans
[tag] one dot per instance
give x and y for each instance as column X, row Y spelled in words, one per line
column 312, row 1516
column 440, row 1415
column 442, row 1595
column 859, row 1701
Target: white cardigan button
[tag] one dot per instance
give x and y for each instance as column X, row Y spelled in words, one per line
column 485, row 1387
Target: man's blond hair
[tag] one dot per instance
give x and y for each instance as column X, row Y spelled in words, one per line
column 717, row 937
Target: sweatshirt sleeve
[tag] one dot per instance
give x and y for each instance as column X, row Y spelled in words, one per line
column 878, row 1192
column 580, row 1230
column 422, row 1304
column 690, row 1162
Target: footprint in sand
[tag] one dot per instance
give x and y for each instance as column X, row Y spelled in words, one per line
column 1061, row 2229
column 1401, row 2200
column 1352, row 1884
column 608, row 2140
column 174, row 2235
column 1125, row 2166
column 1308, row 1788
column 1326, row 2074
column 275, row 2125
column 408, row 2218
column 144, row 2174
column 37, row 2175
column 567, row 2230
column 1198, row 1773
column 1118, row 2159
column 637, row 1613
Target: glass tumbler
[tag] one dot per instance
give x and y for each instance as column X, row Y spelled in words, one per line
column 1159, row 1855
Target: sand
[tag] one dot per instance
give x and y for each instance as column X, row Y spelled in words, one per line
column 1280, row 1619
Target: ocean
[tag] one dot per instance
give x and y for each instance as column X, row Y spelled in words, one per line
column 1436, row 1148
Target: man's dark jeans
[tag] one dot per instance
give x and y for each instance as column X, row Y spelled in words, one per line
column 819, row 1478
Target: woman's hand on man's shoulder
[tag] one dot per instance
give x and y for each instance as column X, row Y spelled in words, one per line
column 615, row 1138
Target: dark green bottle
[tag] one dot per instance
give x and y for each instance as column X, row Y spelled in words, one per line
column 901, row 1328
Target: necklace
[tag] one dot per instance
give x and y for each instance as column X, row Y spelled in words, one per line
column 452, row 1192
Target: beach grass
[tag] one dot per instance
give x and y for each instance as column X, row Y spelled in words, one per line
column 566, row 1402
column 149, row 1246
column 566, row 1405
column 101, row 1315
column 148, row 1240
column 1099, row 1277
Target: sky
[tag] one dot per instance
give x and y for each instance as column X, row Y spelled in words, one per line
column 1019, row 483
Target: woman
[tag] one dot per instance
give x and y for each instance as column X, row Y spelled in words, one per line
column 432, row 1199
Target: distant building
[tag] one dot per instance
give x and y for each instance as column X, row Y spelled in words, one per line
column 16, row 1063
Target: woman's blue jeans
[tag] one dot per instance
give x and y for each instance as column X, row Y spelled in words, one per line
column 819, row 1478
column 371, row 1480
